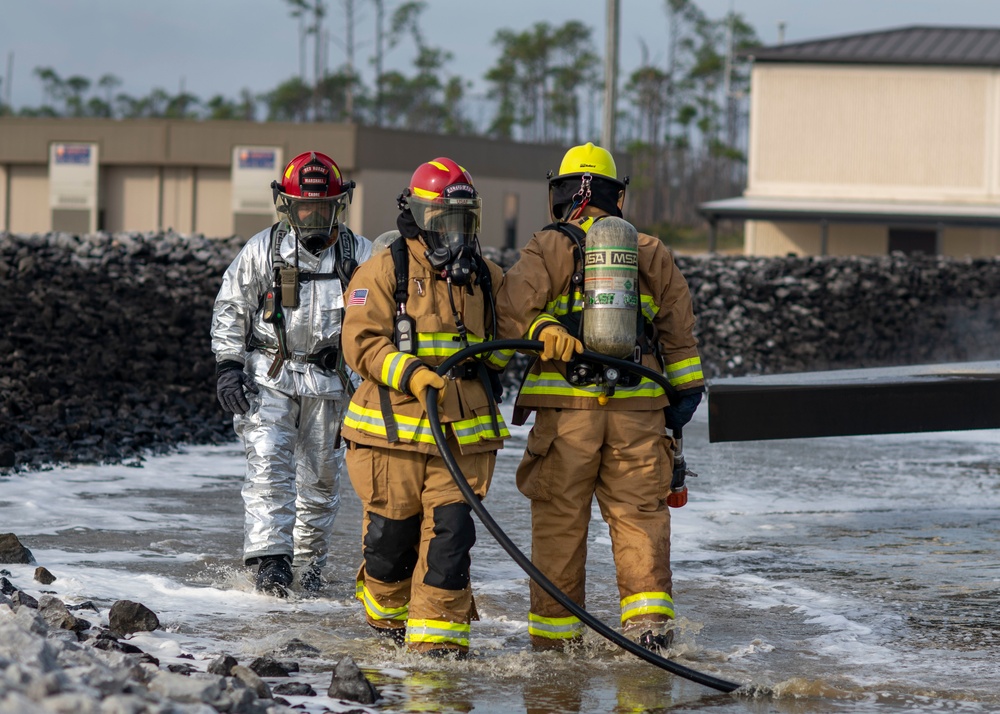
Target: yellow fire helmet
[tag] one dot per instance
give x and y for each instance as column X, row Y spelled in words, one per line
column 587, row 176
column 588, row 159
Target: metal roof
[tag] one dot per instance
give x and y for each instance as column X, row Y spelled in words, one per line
column 916, row 45
column 877, row 212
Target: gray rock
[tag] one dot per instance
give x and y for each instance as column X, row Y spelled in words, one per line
column 23, row 599
column 127, row 617
column 12, row 551
column 54, row 612
column 223, row 665
column 296, row 689
column 270, row 667
column 190, row 689
column 257, row 685
column 350, row 683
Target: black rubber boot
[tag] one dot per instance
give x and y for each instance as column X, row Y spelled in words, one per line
column 393, row 635
column 656, row 643
column 311, row 578
column 274, row 575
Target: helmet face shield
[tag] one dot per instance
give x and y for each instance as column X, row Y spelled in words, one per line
column 312, row 217
column 447, row 222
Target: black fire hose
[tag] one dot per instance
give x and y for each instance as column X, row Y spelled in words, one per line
column 508, row 545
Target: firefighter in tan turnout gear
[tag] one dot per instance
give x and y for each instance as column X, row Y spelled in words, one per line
column 413, row 305
column 594, row 434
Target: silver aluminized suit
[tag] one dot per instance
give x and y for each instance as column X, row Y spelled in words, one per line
column 290, row 434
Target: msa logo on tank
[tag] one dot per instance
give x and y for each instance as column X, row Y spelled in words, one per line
column 613, row 257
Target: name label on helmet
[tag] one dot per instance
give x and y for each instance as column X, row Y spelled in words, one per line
column 462, row 188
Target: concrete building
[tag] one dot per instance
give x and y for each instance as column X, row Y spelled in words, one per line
column 213, row 177
column 871, row 143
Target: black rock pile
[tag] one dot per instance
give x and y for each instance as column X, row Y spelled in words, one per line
column 105, row 351
column 774, row 315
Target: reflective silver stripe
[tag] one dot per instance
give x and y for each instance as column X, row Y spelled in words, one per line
column 423, row 631
column 646, row 604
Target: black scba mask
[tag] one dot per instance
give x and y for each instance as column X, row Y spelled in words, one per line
column 454, row 262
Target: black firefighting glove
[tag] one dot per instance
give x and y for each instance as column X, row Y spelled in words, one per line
column 231, row 382
column 680, row 411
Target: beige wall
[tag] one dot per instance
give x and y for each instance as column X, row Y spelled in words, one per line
column 159, row 174
column 29, row 199
column 3, row 197
column 768, row 238
column 854, row 239
column 962, row 242
column 213, row 214
column 875, row 133
column 130, row 198
column 178, row 199
column 373, row 210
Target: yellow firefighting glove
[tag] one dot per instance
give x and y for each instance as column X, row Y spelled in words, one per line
column 421, row 380
column 559, row 344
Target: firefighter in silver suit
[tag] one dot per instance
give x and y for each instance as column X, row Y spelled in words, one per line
column 276, row 339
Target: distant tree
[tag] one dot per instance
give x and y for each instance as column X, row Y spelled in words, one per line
column 220, row 107
column 289, row 101
column 75, row 86
column 338, row 92
column 97, row 107
column 312, row 13
column 53, row 90
column 539, row 78
column 183, row 105
column 108, row 83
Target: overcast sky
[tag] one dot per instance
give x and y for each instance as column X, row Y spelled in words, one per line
column 222, row 46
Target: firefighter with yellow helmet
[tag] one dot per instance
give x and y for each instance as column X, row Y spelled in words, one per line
column 429, row 294
column 597, row 432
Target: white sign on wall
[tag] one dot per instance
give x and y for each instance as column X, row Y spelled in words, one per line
column 253, row 169
column 73, row 178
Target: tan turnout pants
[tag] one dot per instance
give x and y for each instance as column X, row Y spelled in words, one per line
column 625, row 459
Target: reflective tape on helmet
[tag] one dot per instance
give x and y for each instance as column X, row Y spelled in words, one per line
column 554, row 628
column 437, row 632
column 647, row 604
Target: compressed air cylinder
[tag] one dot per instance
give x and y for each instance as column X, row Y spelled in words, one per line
column 611, row 288
column 384, row 241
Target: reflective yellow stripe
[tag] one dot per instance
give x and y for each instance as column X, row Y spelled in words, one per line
column 553, row 384
column 467, row 431
column 442, row 344
column 647, row 604
column 649, row 308
column 554, row 628
column 437, row 631
column 500, row 358
column 377, row 612
column 688, row 370
column 393, row 368
column 544, row 319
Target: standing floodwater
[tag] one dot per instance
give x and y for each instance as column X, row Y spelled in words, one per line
column 843, row 574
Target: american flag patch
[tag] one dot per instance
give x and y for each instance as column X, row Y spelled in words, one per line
column 358, row 297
